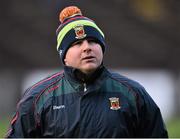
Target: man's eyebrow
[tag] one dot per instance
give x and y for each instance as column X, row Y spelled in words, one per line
column 76, row 42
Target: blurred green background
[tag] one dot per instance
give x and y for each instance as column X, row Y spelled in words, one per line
column 4, row 124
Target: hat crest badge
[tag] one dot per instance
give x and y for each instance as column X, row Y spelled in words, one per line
column 79, row 31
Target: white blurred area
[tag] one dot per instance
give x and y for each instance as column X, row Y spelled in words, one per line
column 158, row 83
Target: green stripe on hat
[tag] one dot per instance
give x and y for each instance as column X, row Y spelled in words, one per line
column 71, row 25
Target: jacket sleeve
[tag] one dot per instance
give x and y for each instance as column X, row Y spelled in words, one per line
column 151, row 123
column 23, row 123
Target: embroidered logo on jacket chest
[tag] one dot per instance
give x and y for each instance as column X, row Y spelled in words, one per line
column 114, row 103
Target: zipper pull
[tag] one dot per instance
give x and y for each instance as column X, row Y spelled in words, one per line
column 85, row 89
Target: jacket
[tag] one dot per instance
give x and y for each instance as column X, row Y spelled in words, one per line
column 71, row 104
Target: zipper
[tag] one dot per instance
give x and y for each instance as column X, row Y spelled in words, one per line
column 85, row 87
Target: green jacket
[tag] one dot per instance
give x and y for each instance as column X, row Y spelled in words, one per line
column 71, row 104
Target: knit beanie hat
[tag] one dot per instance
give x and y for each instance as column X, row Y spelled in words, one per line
column 74, row 26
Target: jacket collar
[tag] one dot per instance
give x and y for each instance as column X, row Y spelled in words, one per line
column 78, row 76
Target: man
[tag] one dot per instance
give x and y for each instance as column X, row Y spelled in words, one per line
column 85, row 100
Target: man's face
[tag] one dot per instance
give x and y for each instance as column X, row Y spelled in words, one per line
column 85, row 55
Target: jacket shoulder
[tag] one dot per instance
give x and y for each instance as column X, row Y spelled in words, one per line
column 26, row 107
column 135, row 88
column 130, row 83
column 44, row 84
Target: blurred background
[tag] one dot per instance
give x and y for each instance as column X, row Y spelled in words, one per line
column 143, row 39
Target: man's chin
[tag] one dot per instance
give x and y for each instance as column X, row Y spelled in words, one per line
column 89, row 68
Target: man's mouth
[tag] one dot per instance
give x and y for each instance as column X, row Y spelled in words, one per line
column 88, row 58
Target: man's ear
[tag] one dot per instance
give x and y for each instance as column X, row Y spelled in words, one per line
column 65, row 61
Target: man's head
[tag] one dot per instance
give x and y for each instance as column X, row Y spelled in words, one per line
column 85, row 55
column 74, row 30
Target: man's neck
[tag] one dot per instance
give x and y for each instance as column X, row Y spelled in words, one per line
column 81, row 76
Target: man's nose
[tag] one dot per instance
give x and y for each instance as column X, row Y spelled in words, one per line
column 86, row 46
